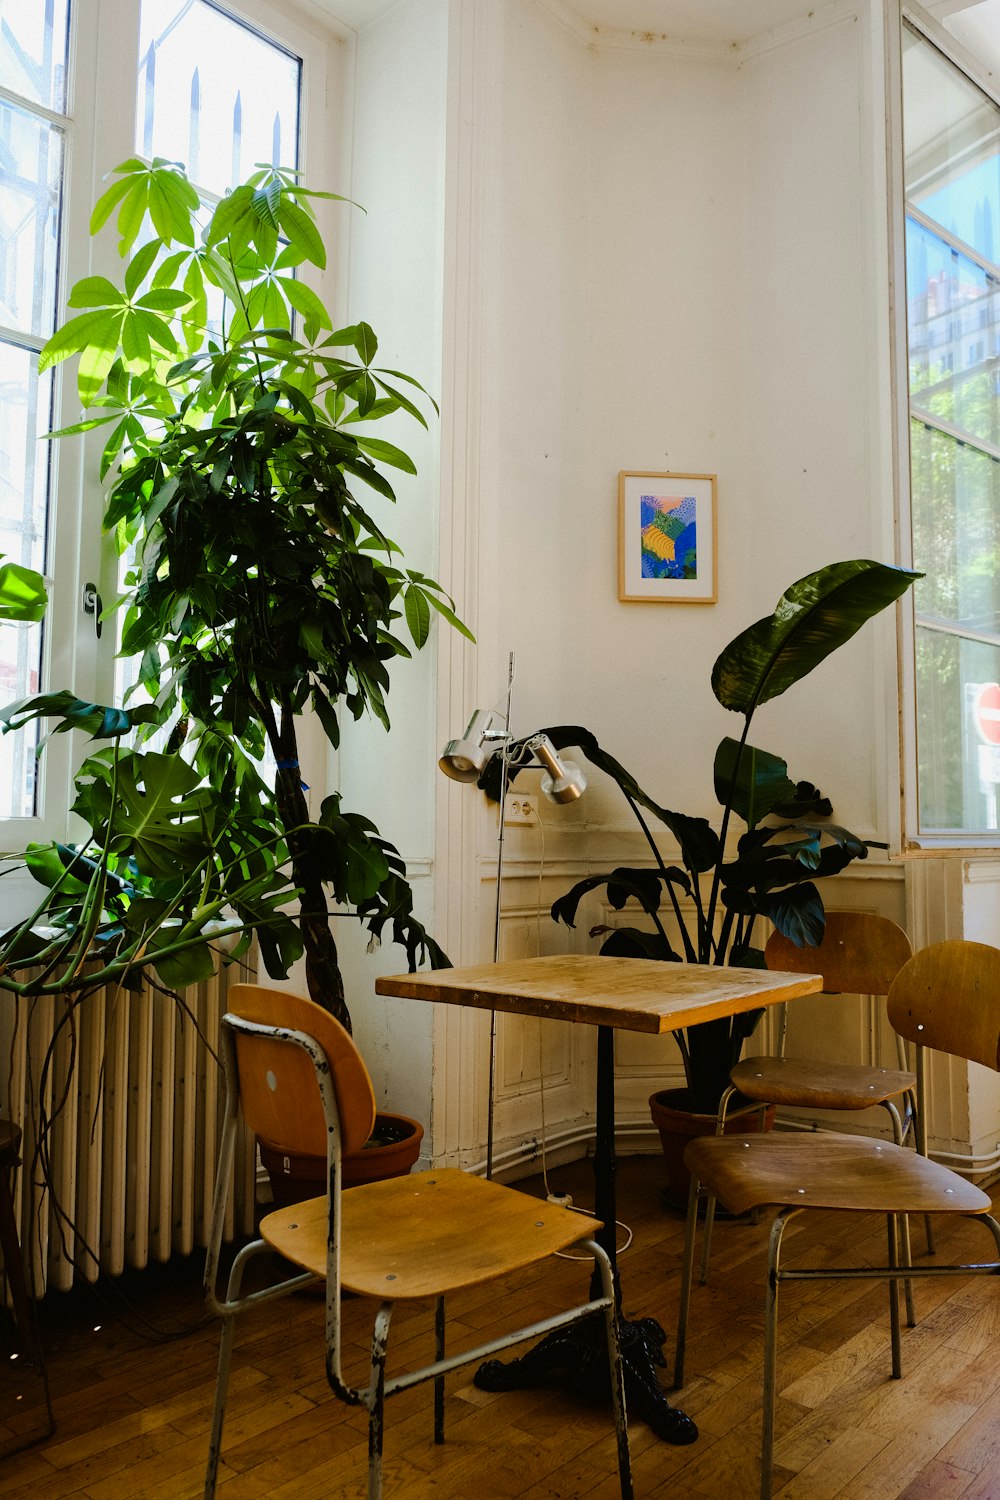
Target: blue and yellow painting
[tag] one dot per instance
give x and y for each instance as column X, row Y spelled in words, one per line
column 668, row 536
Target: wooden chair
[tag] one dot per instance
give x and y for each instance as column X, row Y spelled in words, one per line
column 300, row 1083
column 860, row 954
column 946, row 997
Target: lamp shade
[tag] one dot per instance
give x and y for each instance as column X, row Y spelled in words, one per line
column 464, row 759
column 563, row 780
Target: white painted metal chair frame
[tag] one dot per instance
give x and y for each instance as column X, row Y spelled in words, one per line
column 372, row 1396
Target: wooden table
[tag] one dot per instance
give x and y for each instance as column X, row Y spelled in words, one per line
column 627, row 994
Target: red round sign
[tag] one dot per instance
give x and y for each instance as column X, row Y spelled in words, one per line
column 987, row 712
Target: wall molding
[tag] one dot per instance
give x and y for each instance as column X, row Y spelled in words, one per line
column 670, row 44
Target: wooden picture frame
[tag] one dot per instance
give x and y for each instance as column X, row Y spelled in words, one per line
column 667, row 538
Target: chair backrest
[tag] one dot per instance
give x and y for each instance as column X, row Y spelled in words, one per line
column 860, row 954
column 279, row 1096
column 948, row 997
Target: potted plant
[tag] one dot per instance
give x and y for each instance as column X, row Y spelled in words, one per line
column 257, row 586
column 708, row 908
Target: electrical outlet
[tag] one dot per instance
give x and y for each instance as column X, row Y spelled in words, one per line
column 520, row 809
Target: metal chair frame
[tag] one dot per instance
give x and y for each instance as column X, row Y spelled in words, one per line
column 910, row 1121
column 905, row 1179
column 372, row 1396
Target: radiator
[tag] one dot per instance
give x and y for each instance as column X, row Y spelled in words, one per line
column 123, row 1172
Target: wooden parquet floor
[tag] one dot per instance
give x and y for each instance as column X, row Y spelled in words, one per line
column 133, row 1413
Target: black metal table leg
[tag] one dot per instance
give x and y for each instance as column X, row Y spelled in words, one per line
column 579, row 1354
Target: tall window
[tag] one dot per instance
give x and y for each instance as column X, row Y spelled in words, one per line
column 215, row 86
column 952, row 179
column 219, row 97
column 33, row 44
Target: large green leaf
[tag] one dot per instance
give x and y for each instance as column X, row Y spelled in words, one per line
column 814, row 617
column 22, row 592
column 100, row 720
column 753, row 782
column 157, row 813
column 188, row 966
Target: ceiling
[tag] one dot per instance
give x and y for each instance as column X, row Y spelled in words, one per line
column 719, row 22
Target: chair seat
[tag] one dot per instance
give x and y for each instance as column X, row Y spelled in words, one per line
column 449, row 1230
column 827, row 1170
column 820, row 1085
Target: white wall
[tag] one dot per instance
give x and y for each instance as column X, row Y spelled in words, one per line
column 705, row 303
column 394, row 283
column 652, row 260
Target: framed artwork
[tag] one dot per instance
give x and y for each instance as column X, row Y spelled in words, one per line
column 667, row 538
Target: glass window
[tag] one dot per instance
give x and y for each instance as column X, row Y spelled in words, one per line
column 213, row 94
column 952, row 178
column 34, row 39
column 33, row 47
column 196, row 67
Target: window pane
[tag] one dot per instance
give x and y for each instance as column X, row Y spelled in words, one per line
column 959, row 764
column 25, row 413
column 33, row 40
column 951, row 153
column 29, row 221
column 956, row 531
column 954, row 335
column 952, row 172
column 213, row 94
column 20, row 654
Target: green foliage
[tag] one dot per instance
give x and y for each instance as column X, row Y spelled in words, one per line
column 788, row 843
column 22, row 592
column 242, row 483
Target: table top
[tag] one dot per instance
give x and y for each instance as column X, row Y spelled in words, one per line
column 633, row 994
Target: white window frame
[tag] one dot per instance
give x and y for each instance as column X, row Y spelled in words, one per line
column 99, row 133
column 913, row 841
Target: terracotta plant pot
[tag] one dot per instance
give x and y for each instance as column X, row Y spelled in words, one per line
column 390, row 1151
column 677, row 1125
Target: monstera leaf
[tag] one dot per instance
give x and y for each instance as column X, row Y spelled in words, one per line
column 156, row 808
column 100, row 720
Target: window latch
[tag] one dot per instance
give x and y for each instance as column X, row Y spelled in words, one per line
column 92, row 605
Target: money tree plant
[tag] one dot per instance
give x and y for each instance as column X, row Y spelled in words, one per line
column 244, row 490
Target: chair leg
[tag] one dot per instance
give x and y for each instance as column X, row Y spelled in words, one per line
column 771, row 1351
column 899, row 1133
column 603, row 1265
column 906, row 1259
column 706, row 1237
column 225, row 1360
column 706, row 1244
column 439, row 1379
column 687, row 1275
column 376, row 1401
column 920, row 1132
column 893, row 1245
